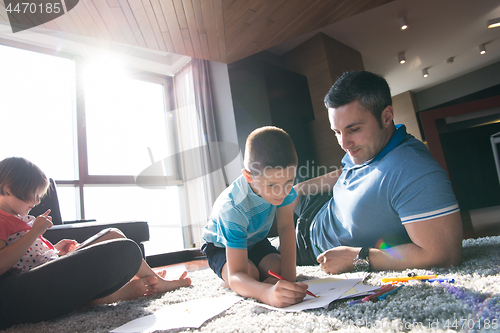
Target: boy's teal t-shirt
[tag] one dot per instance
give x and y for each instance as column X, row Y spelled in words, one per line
column 240, row 218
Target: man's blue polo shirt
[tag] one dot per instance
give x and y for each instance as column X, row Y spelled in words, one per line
column 372, row 201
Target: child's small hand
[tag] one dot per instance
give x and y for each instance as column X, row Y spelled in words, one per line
column 42, row 223
column 285, row 293
column 65, row 246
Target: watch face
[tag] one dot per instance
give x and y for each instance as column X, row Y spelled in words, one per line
column 361, row 264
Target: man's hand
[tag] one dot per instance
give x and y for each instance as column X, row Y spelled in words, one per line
column 285, row 293
column 339, row 259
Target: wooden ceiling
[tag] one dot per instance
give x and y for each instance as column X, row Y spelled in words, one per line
column 217, row 30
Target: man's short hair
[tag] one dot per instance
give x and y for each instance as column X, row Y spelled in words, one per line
column 370, row 90
column 23, row 178
column 269, row 147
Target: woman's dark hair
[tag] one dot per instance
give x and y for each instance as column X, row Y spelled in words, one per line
column 23, row 178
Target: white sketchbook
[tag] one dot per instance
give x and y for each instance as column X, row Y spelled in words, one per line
column 328, row 290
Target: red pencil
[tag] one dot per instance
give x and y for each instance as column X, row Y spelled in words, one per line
column 384, row 289
column 282, row 278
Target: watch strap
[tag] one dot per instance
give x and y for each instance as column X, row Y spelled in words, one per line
column 363, row 253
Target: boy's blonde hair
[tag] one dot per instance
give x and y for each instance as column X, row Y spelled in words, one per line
column 24, row 179
column 269, row 147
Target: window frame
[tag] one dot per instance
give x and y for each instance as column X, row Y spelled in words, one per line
column 81, row 157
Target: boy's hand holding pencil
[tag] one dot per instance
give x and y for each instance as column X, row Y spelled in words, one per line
column 285, row 293
column 282, row 278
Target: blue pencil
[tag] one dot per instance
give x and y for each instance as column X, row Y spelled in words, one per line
column 441, row 280
column 384, row 296
column 355, row 302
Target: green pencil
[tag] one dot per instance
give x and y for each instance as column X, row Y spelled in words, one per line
column 320, row 250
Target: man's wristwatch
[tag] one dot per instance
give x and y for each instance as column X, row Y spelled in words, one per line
column 362, row 262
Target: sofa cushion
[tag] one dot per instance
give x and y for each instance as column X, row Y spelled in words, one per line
column 137, row 231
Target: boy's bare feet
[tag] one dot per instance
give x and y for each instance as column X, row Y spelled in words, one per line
column 134, row 289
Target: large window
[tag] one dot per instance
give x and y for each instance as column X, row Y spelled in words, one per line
column 126, row 114
column 94, row 127
column 37, row 107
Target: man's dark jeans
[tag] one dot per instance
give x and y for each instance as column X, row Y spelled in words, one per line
column 305, row 212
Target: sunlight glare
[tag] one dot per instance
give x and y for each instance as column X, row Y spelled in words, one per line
column 126, row 113
column 105, row 67
column 36, row 108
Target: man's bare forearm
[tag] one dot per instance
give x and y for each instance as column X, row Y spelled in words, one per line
column 411, row 256
column 435, row 243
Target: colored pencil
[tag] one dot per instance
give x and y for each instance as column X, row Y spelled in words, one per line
column 382, row 290
column 282, row 278
column 408, row 278
column 393, row 291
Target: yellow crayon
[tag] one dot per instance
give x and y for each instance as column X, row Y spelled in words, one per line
column 407, row 278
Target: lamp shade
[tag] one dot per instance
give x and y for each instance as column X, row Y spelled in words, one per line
column 401, row 57
column 482, row 49
column 403, row 25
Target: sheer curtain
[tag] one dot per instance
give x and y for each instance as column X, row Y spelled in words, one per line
column 202, row 170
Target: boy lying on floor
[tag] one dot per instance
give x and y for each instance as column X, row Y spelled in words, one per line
column 236, row 246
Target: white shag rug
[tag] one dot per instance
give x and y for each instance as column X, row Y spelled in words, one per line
column 471, row 304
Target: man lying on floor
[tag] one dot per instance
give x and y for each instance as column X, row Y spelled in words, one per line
column 392, row 206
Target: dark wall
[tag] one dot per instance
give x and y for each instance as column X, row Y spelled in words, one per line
column 469, row 154
column 250, row 103
column 265, row 94
column 471, row 165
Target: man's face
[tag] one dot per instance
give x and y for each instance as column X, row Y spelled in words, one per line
column 358, row 132
column 273, row 184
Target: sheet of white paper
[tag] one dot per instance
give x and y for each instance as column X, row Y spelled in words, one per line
column 187, row 314
column 327, row 289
